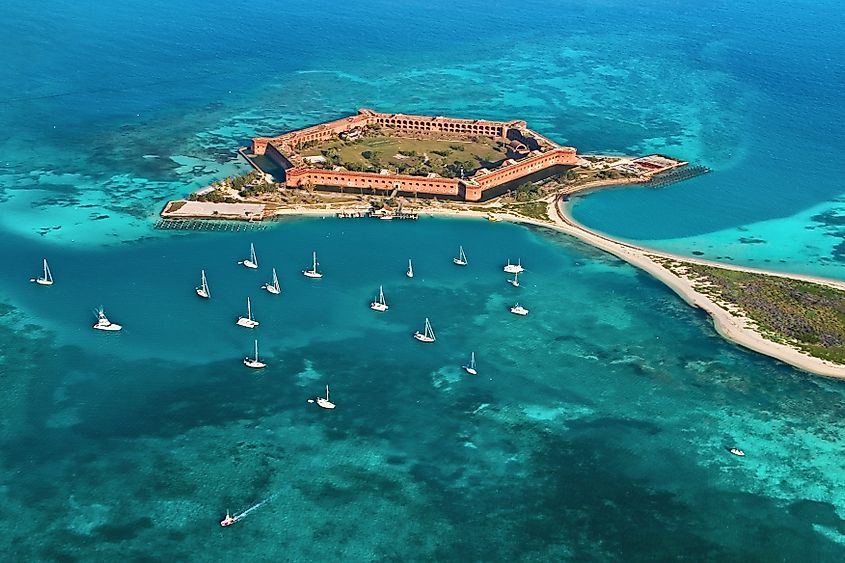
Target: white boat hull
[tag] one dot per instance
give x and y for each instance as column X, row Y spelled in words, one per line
column 378, row 307
column 247, row 322
column 514, row 283
column 513, row 269
column 471, row 371
column 201, row 292
column 42, row 281
column 409, row 274
column 519, row 311
column 422, row 337
column 312, row 274
column 271, row 289
column 111, row 327
column 459, row 262
column 255, row 364
column 323, row 403
column 249, row 264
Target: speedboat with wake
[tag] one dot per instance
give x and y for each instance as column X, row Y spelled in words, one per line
column 103, row 323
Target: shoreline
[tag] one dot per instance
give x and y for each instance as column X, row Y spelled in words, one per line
column 732, row 327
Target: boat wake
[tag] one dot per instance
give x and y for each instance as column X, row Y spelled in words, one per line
column 254, row 507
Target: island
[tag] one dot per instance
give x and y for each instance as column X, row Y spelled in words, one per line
column 398, row 166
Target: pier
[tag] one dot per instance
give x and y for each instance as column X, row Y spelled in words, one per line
column 677, row 175
column 208, row 225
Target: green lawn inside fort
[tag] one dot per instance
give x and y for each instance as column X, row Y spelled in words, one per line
column 412, row 156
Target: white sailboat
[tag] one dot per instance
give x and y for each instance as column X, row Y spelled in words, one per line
column 470, row 369
column 410, row 272
column 519, row 310
column 515, row 281
column 254, row 363
column 247, row 321
column 252, row 261
column 46, row 278
column 461, row 260
column 379, row 304
column 103, row 323
column 273, row 287
column 427, row 335
column 203, row 290
column 324, row 402
column 514, row 268
column 312, row 273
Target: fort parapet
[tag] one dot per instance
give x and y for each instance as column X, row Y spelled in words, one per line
column 535, row 153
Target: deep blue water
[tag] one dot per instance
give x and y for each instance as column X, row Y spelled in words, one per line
column 598, row 424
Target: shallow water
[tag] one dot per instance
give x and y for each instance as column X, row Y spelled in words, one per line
column 597, row 426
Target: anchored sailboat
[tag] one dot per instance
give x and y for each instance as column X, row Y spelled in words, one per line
column 324, row 402
column 254, row 362
column 313, row 273
column 46, row 278
column 519, row 310
column 252, row 261
column 410, row 272
column 515, row 281
column 428, row 333
column 461, row 260
column 379, row 304
column 514, row 268
column 103, row 323
column 470, row 369
column 273, row 287
column 203, row 290
column 248, row 321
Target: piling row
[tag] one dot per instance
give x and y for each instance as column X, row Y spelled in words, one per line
column 207, row 225
column 677, row 175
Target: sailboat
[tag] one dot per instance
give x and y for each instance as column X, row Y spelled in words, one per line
column 252, row 261
column 410, row 272
column 273, row 287
column 519, row 310
column 103, row 323
column 203, row 290
column 254, row 362
column 515, row 281
column 324, row 402
column 427, row 335
column 379, row 304
column 470, row 369
column 312, row 273
column 46, row 278
column 228, row 520
column 461, row 260
column 247, row 321
column 514, row 268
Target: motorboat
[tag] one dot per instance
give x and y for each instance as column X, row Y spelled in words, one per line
column 247, row 321
column 427, row 335
column 737, row 452
column 312, row 273
column 254, row 363
column 203, row 290
column 273, row 287
column 519, row 310
column 46, row 277
column 103, row 323
column 461, row 259
column 252, row 261
column 379, row 304
column 228, row 520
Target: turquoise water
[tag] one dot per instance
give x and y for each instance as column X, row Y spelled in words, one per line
column 597, row 427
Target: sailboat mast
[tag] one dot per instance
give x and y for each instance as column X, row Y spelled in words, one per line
column 327, row 392
column 256, row 350
column 248, row 309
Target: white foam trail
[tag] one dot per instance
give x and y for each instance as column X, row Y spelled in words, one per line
column 254, row 507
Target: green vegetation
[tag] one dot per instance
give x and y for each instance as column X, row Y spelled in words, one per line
column 534, row 209
column 415, row 157
column 807, row 315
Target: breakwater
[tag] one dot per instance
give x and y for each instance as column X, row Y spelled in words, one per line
column 677, row 175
